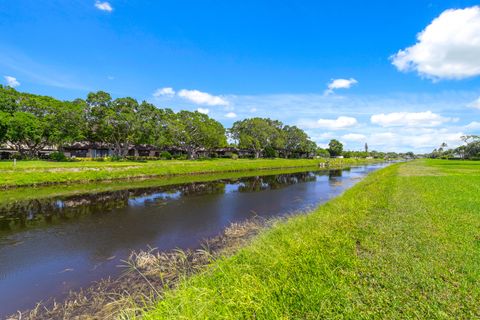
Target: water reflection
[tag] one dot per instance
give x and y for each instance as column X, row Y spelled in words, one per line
column 89, row 234
column 18, row 216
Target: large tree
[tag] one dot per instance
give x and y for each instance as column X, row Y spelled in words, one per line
column 32, row 122
column 335, row 148
column 297, row 141
column 114, row 122
column 194, row 131
column 257, row 134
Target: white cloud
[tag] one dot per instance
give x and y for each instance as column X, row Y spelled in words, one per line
column 425, row 140
column 475, row 104
column 169, row 92
column 474, row 125
column 104, row 6
column 253, row 110
column 203, row 98
column 331, row 124
column 354, row 137
column 448, row 48
column 409, row 119
column 11, row 81
column 203, row 110
column 340, row 84
column 231, row 115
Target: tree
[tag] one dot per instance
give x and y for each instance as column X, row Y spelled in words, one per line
column 322, row 153
column 27, row 133
column 335, row 148
column 297, row 141
column 366, row 148
column 32, row 122
column 194, row 131
column 258, row 133
column 117, row 123
column 4, row 120
column 152, row 125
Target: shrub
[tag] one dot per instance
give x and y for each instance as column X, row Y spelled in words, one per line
column 58, row 156
column 234, row 156
column 270, row 152
column 165, row 155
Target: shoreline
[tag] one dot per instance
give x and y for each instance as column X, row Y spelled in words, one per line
column 53, row 176
column 147, row 274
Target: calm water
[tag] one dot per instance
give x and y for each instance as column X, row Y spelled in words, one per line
column 53, row 245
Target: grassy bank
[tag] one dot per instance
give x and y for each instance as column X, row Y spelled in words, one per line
column 403, row 243
column 12, row 195
column 28, row 173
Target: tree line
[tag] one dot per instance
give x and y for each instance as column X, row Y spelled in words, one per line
column 30, row 123
column 469, row 150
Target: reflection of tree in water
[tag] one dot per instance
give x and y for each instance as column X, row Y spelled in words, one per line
column 274, row 182
column 38, row 213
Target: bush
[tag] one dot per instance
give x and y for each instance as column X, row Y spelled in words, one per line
column 165, row 155
column 180, row 157
column 58, row 156
column 234, row 156
column 270, row 152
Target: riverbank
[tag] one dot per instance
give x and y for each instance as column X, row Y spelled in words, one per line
column 403, row 243
column 33, row 173
column 147, row 274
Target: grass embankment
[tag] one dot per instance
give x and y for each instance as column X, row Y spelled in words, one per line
column 403, row 243
column 27, row 173
column 61, row 190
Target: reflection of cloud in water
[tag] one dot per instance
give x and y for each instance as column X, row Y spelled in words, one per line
column 140, row 201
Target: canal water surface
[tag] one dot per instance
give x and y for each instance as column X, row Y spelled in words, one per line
column 52, row 245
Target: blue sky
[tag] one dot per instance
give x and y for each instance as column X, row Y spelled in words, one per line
column 238, row 59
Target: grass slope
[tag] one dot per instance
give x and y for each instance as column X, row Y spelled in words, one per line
column 404, row 243
column 27, row 173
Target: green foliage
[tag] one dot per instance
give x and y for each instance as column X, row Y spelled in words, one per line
column 297, row 142
column 194, row 131
column 323, row 153
column 58, row 156
column 165, row 155
column 335, row 148
column 269, row 152
column 258, row 134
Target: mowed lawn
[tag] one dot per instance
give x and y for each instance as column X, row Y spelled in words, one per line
column 402, row 244
column 26, row 173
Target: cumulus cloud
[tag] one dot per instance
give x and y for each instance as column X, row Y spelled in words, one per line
column 340, row 84
column 448, row 48
column 424, row 140
column 203, row 110
column 103, row 6
column 231, row 115
column 354, row 137
column 202, row 98
column 475, row 104
column 409, row 119
column 341, row 122
column 474, row 125
column 162, row 92
column 11, row 81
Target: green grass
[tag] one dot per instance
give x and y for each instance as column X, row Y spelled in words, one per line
column 27, row 173
column 13, row 195
column 402, row 244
